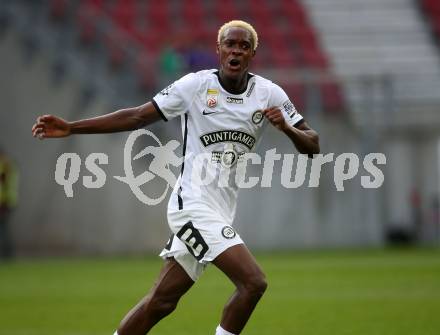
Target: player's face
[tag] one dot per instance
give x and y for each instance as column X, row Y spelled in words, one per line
column 235, row 52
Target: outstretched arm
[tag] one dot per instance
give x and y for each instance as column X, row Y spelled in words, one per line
column 305, row 139
column 49, row 126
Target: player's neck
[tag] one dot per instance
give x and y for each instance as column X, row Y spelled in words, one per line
column 233, row 85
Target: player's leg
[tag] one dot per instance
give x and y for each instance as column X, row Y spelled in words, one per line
column 172, row 284
column 242, row 269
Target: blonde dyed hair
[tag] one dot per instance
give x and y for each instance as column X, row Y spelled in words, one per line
column 238, row 24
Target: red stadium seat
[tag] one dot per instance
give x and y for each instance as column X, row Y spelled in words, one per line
column 124, row 13
column 281, row 54
column 432, row 10
column 89, row 12
column 288, row 38
column 331, row 96
column 314, row 58
column 285, row 59
column 58, row 9
column 192, row 11
column 304, row 37
column 226, row 10
column 152, row 41
column 114, row 42
column 158, row 15
column 297, row 94
column 294, row 11
column 207, row 37
column 147, row 74
column 431, row 6
column 260, row 13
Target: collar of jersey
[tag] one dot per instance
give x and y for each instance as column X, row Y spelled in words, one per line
column 249, row 76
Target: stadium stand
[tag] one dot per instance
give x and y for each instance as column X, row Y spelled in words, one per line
column 290, row 43
column 381, row 38
column 383, row 41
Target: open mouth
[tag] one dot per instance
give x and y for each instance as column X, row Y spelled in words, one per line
column 234, row 64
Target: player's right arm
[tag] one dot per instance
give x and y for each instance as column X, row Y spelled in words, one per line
column 49, row 126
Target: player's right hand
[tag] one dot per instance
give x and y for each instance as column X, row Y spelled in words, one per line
column 49, row 126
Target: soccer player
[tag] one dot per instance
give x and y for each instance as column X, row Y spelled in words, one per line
column 223, row 114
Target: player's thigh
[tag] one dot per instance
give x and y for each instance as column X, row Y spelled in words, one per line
column 239, row 265
column 173, row 280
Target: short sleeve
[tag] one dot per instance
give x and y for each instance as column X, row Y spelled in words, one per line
column 279, row 98
column 175, row 99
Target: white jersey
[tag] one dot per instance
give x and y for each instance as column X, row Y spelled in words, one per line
column 220, row 127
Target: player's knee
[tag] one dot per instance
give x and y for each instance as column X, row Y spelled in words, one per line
column 162, row 306
column 256, row 285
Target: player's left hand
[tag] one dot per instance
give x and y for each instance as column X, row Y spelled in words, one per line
column 275, row 116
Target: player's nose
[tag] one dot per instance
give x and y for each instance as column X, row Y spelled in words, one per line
column 236, row 51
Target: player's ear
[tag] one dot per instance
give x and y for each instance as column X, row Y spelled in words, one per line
column 217, row 48
column 254, row 52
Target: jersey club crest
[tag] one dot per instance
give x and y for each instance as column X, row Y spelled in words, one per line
column 212, row 98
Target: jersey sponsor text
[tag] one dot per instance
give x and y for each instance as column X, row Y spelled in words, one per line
column 228, row 136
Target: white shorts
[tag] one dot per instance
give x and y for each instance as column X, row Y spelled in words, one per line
column 199, row 236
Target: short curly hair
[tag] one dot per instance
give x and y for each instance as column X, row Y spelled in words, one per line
column 239, row 24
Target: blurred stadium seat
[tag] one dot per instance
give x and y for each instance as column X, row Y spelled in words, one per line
column 287, row 42
column 432, row 10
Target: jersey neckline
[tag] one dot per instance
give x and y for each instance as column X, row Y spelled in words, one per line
column 249, row 76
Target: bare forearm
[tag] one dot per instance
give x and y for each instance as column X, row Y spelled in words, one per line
column 305, row 141
column 50, row 126
column 121, row 120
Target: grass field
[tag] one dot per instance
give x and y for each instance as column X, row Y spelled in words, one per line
column 310, row 293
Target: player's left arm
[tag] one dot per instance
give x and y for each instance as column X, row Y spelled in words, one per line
column 305, row 139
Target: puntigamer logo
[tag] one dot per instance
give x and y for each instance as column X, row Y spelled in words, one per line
column 228, row 136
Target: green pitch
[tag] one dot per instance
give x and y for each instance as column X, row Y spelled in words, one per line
column 310, row 293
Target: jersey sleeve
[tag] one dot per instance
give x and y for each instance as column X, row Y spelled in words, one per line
column 175, row 99
column 279, row 98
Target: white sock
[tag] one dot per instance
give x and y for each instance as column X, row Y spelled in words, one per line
column 221, row 331
column 116, row 333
